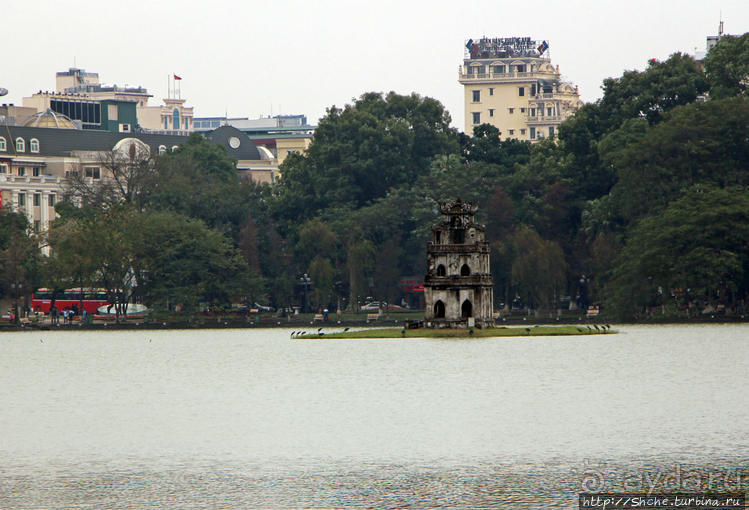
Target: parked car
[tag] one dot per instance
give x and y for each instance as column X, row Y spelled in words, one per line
column 372, row 306
column 264, row 308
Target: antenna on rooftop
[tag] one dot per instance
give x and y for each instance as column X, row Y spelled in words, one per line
column 720, row 25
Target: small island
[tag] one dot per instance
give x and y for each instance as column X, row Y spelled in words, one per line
column 457, row 289
column 491, row 332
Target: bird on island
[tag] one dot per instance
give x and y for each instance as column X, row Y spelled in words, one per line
column 596, row 326
column 528, row 330
column 345, row 329
column 319, row 329
column 608, row 326
column 292, row 334
column 580, row 330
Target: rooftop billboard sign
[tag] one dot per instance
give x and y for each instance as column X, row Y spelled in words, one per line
column 502, row 47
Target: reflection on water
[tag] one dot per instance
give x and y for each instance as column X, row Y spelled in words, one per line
column 250, row 418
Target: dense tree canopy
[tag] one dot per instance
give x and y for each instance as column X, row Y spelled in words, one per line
column 640, row 201
column 727, row 67
column 362, row 151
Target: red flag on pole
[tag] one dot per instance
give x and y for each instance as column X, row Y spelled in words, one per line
column 177, row 77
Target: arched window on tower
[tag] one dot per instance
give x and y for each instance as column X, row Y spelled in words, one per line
column 465, row 270
column 466, row 310
column 441, row 271
column 175, row 119
column 439, row 310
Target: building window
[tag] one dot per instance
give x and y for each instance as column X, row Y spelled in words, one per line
column 533, row 133
column 512, row 131
column 491, row 91
column 3, row 147
column 499, row 69
column 71, row 173
column 93, row 172
column 512, row 110
column 522, row 110
column 21, row 171
column 3, row 168
column 551, row 130
column 20, row 145
column 34, row 145
column 520, row 69
column 37, row 200
column 21, row 199
column 162, row 149
column 52, row 200
column 37, row 226
column 533, row 112
column 476, row 96
column 549, row 112
column 522, row 131
column 166, row 122
column 36, row 171
column 476, row 117
column 521, row 91
column 175, row 119
column 491, row 112
column 175, row 147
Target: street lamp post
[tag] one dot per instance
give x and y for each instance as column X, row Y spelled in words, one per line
column 305, row 279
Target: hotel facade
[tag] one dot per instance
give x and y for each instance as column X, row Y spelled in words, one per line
column 511, row 84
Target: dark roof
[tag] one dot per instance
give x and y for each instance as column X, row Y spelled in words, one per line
column 246, row 148
column 61, row 142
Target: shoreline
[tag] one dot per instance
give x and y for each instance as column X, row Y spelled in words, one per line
column 387, row 322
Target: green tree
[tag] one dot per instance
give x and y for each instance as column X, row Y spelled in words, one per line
column 661, row 87
column 315, row 239
column 698, row 244
column 699, row 143
column 538, row 270
column 179, row 260
column 362, row 151
column 20, row 259
column 727, row 67
column 322, row 273
column 359, row 261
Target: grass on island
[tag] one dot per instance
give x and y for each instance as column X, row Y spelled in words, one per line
column 461, row 333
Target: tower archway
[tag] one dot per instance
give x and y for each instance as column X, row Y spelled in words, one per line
column 439, row 310
column 466, row 309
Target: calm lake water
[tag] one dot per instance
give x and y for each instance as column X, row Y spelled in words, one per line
column 241, row 419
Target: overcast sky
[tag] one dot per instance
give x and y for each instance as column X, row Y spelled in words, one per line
column 252, row 59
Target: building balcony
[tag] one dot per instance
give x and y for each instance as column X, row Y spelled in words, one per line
column 31, row 179
column 456, row 280
column 533, row 120
column 480, row 247
column 492, row 77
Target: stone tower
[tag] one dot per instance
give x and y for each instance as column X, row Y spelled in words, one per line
column 458, row 288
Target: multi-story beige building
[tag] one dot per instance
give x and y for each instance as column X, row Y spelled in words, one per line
column 511, row 84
